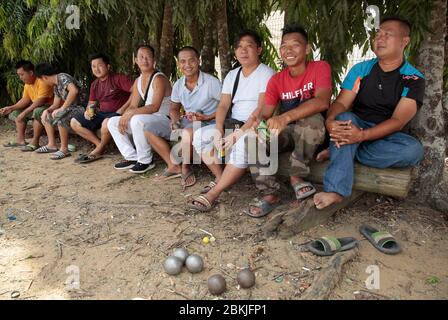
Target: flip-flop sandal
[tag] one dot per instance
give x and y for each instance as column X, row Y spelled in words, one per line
column 208, row 187
column 264, row 206
column 184, row 178
column 165, row 176
column 59, row 155
column 82, row 156
column 382, row 240
column 13, row 144
column 201, row 203
column 328, row 246
column 45, row 149
column 89, row 158
column 28, row 148
column 302, row 185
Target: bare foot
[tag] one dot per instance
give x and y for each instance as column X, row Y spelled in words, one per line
column 323, row 155
column 325, row 199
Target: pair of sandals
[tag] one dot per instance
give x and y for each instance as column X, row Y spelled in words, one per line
column 57, row 154
column 25, row 147
column 201, row 203
column 187, row 180
column 266, row 207
column 381, row 240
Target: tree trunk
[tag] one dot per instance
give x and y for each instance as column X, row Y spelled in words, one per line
column 430, row 125
column 225, row 55
column 193, row 30
column 167, row 40
column 207, row 53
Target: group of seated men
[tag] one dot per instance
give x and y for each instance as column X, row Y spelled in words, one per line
column 365, row 122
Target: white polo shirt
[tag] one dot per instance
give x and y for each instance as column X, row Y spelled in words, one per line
column 204, row 97
column 245, row 100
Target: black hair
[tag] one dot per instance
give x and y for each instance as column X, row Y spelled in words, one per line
column 190, row 48
column 25, row 65
column 295, row 28
column 248, row 33
column 146, row 46
column 45, row 69
column 404, row 23
column 101, row 56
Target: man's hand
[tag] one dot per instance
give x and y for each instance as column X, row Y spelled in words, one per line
column 55, row 112
column 277, row 124
column 254, row 120
column 5, row 111
column 124, row 120
column 86, row 115
column 199, row 116
column 332, row 125
column 176, row 125
column 346, row 134
column 231, row 139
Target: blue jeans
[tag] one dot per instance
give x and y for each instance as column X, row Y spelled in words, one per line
column 394, row 151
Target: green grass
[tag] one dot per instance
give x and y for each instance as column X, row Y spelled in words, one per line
column 432, row 280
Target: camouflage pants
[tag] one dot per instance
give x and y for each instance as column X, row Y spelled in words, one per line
column 302, row 138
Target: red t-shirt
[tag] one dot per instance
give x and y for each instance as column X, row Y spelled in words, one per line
column 111, row 93
column 292, row 92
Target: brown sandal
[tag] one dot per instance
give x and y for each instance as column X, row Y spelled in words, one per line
column 201, row 203
column 184, row 178
column 208, row 187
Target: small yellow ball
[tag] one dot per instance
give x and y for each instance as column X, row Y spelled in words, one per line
column 205, row 240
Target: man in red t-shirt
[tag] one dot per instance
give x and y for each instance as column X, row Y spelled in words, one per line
column 303, row 90
column 111, row 92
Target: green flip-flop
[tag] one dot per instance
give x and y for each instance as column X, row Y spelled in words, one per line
column 13, row 144
column 29, row 148
column 328, row 246
column 382, row 240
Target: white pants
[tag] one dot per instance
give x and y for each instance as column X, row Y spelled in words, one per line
column 142, row 152
column 203, row 144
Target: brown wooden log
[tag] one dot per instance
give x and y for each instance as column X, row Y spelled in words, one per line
column 390, row 182
column 289, row 222
column 327, row 279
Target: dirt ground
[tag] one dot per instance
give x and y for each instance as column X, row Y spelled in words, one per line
column 117, row 228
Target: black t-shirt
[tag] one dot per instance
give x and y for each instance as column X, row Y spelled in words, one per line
column 379, row 92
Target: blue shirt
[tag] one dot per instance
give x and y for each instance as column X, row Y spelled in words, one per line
column 204, row 97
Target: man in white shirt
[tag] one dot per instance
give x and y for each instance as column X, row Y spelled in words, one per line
column 152, row 88
column 198, row 93
column 251, row 78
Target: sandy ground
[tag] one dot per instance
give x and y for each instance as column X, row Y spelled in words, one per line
column 117, row 228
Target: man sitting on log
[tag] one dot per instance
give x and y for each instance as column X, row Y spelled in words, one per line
column 36, row 97
column 384, row 94
column 110, row 92
column 303, row 90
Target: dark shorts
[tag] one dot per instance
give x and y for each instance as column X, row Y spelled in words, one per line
column 95, row 123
